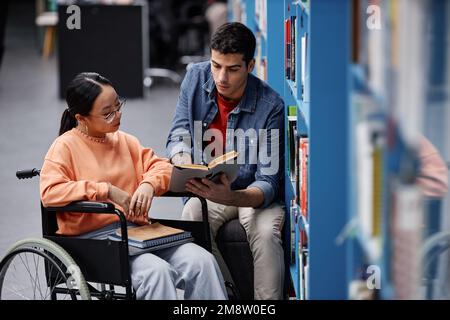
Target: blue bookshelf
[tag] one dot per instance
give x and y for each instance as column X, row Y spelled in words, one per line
column 323, row 119
column 328, row 117
column 343, row 98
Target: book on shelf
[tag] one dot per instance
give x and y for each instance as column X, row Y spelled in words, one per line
column 287, row 49
column 290, row 34
column 293, row 46
column 292, row 111
column 152, row 237
column 304, row 154
column 297, row 170
column 306, row 274
column 304, row 64
column 303, row 151
column 292, row 141
column 301, row 272
column 225, row 163
column 293, row 229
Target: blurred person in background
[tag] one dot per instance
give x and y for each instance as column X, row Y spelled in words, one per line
column 3, row 16
column 216, row 14
column 433, row 172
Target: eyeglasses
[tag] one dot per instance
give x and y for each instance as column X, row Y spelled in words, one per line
column 112, row 115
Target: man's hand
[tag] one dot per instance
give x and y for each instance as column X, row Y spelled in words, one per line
column 181, row 158
column 222, row 193
column 119, row 197
column 141, row 200
column 215, row 192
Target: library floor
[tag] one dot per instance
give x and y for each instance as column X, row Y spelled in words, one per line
column 30, row 112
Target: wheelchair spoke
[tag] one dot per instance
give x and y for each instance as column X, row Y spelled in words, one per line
column 13, row 288
column 50, row 287
column 35, row 280
column 49, row 284
column 16, row 292
column 29, row 273
column 36, row 283
column 26, row 277
column 46, row 292
column 37, row 273
column 53, row 282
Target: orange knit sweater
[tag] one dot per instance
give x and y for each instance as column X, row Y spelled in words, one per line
column 79, row 167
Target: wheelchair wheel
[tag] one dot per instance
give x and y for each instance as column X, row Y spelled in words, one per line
column 434, row 283
column 39, row 269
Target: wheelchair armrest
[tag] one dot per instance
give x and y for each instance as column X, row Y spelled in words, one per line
column 93, row 207
column 86, row 207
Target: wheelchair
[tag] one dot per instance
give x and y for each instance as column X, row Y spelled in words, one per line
column 60, row 267
column 434, row 255
column 435, row 286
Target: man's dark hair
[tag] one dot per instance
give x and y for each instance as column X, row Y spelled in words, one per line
column 234, row 37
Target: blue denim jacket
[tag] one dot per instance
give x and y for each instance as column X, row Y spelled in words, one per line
column 260, row 108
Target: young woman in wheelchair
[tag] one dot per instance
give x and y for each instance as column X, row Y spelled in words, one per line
column 92, row 160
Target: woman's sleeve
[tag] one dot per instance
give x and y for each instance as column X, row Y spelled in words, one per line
column 433, row 177
column 157, row 171
column 58, row 186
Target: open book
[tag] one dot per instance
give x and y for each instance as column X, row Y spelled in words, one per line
column 151, row 237
column 182, row 173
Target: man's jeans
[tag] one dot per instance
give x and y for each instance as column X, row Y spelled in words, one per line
column 263, row 228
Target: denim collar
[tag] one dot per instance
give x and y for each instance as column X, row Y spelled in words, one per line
column 248, row 101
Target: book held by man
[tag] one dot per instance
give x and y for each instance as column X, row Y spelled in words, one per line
column 181, row 174
column 151, row 237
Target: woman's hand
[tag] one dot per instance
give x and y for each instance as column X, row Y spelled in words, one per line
column 141, row 200
column 119, row 197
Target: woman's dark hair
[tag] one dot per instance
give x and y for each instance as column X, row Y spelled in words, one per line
column 234, row 37
column 80, row 96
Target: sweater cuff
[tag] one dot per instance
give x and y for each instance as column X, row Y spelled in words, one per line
column 102, row 191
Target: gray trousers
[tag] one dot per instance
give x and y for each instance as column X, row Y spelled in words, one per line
column 263, row 228
column 157, row 275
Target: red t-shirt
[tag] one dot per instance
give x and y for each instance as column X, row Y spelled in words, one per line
column 221, row 119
